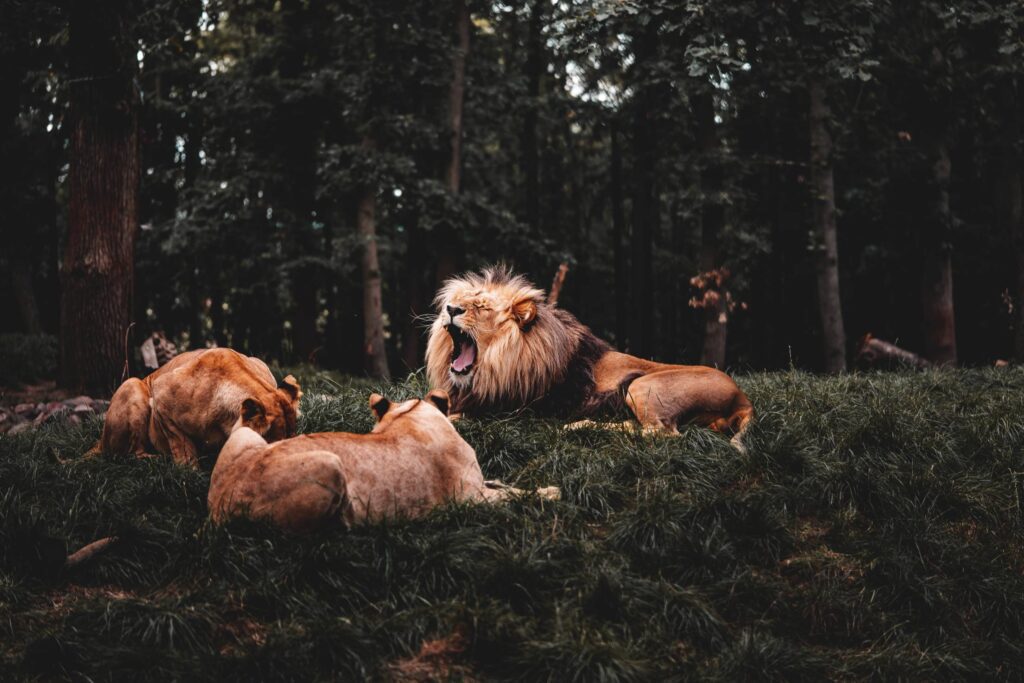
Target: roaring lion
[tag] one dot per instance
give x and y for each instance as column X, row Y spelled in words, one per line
column 189, row 406
column 497, row 346
column 411, row 462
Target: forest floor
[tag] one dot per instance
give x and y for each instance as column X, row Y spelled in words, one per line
column 873, row 530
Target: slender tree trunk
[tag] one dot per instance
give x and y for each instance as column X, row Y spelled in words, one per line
column 531, row 153
column 619, row 240
column 375, row 354
column 412, row 331
column 827, row 249
column 1009, row 201
column 24, row 293
column 712, row 220
column 645, row 208
column 449, row 238
column 937, row 239
column 98, row 269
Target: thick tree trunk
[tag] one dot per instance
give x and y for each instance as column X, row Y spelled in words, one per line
column 645, row 208
column 530, row 151
column 937, row 238
column 619, row 240
column 826, row 247
column 98, row 269
column 712, row 220
column 376, row 359
column 1010, row 203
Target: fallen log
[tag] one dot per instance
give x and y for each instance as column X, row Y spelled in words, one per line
column 877, row 352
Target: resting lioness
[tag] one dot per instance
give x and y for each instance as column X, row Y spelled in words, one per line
column 412, row 461
column 189, row 406
column 496, row 345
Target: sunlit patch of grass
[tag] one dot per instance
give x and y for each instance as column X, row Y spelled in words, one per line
column 872, row 530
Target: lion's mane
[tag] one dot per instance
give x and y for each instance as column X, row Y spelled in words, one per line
column 546, row 364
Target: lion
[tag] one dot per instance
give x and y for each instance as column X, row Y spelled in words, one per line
column 188, row 406
column 496, row 345
column 411, row 462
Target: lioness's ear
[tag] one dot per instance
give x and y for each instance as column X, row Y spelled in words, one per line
column 440, row 399
column 524, row 311
column 253, row 413
column 379, row 405
column 290, row 385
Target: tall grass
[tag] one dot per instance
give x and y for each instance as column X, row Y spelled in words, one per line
column 873, row 530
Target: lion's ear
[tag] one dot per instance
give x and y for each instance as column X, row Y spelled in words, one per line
column 254, row 415
column 440, row 399
column 379, row 405
column 290, row 386
column 524, row 311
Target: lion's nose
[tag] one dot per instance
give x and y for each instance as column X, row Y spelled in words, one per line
column 454, row 311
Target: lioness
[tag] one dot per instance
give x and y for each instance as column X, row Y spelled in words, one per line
column 496, row 345
column 190, row 405
column 412, row 461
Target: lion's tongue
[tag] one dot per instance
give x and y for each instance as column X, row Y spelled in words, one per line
column 466, row 357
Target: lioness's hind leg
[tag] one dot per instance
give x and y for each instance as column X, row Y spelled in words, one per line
column 126, row 427
column 498, row 492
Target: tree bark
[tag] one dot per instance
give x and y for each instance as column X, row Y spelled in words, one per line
column 645, row 209
column 937, row 238
column 98, row 269
column 712, row 221
column 375, row 354
column 619, row 240
column 826, row 247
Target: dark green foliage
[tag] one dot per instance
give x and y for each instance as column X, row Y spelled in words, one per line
column 872, row 531
column 27, row 358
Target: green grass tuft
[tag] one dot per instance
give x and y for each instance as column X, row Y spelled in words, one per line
column 873, row 530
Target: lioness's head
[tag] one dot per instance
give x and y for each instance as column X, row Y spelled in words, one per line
column 274, row 414
column 495, row 338
column 430, row 411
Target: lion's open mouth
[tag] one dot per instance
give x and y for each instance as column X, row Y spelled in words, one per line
column 464, row 353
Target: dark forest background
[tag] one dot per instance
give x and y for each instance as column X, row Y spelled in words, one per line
column 747, row 183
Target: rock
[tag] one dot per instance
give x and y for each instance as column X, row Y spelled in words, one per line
column 19, row 428
column 100, row 406
column 25, row 409
column 78, row 401
column 83, row 410
column 52, row 410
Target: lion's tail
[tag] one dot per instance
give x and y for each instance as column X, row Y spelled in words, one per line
column 741, row 420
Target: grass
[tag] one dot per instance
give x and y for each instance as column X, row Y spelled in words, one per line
column 873, row 530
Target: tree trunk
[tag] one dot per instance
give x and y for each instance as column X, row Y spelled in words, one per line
column 645, row 209
column 98, row 268
column 24, row 293
column 712, row 220
column 530, row 152
column 375, row 354
column 619, row 240
column 449, row 240
column 1010, row 203
column 412, row 331
column 826, row 247
column 937, row 240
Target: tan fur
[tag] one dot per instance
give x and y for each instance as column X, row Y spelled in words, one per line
column 411, row 462
column 497, row 308
column 520, row 364
column 190, row 405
